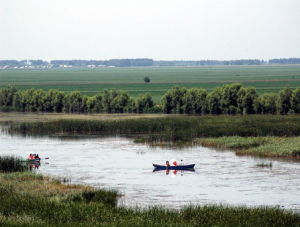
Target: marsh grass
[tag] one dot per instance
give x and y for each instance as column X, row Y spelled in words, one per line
column 263, row 165
column 285, row 147
column 31, row 199
column 12, row 164
column 271, row 135
column 8, row 117
column 170, row 128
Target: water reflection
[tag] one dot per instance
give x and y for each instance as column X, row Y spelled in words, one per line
column 119, row 163
column 34, row 165
column 174, row 172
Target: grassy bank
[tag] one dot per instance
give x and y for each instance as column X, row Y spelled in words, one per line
column 170, row 128
column 33, row 200
column 285, row 147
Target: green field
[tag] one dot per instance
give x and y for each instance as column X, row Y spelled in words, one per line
column 91, row 81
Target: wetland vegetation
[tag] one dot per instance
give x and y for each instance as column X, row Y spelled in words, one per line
column 171, row 127
column 264, row 124
column 284, row 147
column 263, row 135
column 12, row 164
column 31, row 199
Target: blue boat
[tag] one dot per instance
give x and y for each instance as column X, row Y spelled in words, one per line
column 177, row 167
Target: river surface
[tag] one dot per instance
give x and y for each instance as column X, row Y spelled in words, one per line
column 220, row 177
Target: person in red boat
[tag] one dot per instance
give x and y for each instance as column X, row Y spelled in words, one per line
column 30, row 157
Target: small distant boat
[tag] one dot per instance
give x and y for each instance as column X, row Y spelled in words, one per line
column 177, row 167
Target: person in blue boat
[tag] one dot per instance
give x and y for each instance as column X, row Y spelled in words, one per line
column 168, row 164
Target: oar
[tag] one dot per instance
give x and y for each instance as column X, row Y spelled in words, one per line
column 44, row 158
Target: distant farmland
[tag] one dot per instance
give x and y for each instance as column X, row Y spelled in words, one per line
column 91, row 81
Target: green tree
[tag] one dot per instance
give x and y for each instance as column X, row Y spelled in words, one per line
column 166, row 101
column 266, row 104
column 296, row 100
column 130, row 108
column 147, row 80
column 91, row 104
column 213, row 101
column 17, row 101
column 54, row 101
column 107, row 100
column 246, row 100
column 31, row 100
column 94, row 104
column 120, row 102
column 7, row 96
column 144, row 103
column 115, row 101
column 195, row 101
column 229, row 98
column 173, row 100
column 75, row 102
column 285, row 101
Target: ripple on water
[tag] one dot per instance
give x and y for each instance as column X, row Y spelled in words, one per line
column 118, row 163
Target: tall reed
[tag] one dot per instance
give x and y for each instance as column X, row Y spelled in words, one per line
column 32, row 200
column 12, row 164
column 171, row 128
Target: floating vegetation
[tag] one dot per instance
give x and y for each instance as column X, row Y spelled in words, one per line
column 263, row 165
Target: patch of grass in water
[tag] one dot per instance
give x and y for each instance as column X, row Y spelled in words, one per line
column 285, row 147
column 263, row 165
column 12, row 164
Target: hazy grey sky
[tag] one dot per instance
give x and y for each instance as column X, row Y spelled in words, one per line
column 159, row 29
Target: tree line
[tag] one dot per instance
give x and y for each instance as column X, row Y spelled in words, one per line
column 144, row 62
column 284, row 61
column 229, row 99
column 108, row 101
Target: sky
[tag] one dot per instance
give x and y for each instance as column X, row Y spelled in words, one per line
column 158, row 29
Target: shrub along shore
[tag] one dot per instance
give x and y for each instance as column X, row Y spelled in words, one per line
column 30, row 199
column 228, row 99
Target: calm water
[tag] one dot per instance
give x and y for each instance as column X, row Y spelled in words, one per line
column 118, row 163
